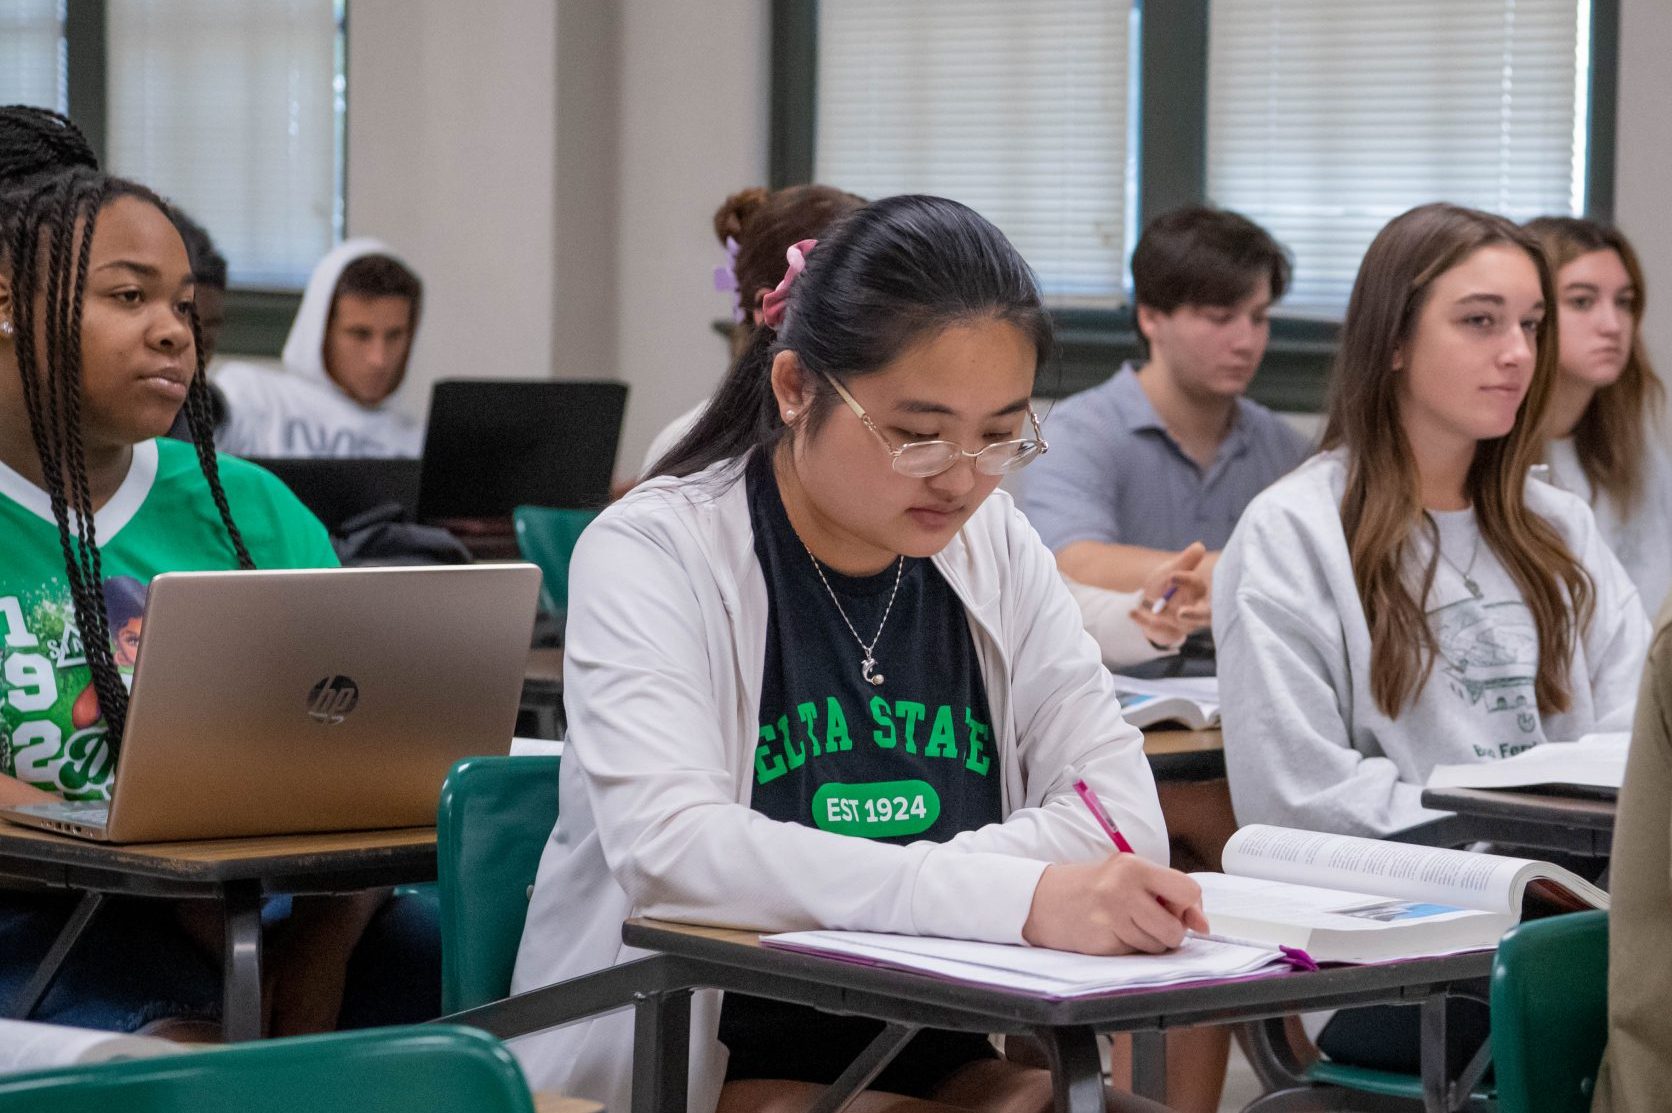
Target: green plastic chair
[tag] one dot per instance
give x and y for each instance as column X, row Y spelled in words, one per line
column 546, row 538
column 1550, row 1013
column 495, row 816
column 424, row 1069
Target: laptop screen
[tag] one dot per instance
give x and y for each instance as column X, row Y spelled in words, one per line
column 493, row 445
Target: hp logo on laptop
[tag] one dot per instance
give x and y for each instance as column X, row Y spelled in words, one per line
column 332, row 699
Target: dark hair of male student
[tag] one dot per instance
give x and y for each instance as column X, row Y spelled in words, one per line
column 892, row 273
column 381, row 276
column 46, row 223
column 208, row 264
column 1200, row 255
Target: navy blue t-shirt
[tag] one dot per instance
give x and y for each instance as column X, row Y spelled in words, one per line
column 902, row 761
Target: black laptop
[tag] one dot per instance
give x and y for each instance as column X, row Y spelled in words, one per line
column 493, row 445
column 339, row 489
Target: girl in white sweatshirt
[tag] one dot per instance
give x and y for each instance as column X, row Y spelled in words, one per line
column 823, row 600
column 1607, row 439
column 1409, row 597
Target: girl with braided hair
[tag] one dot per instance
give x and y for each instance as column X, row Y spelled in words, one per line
column 99, row 351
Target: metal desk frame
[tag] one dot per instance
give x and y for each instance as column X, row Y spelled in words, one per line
column 659, row 990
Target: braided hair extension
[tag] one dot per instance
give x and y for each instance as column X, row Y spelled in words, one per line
column 40, row 141
column 51, row 220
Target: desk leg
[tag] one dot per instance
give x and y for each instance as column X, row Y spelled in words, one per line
column 241, row 964
column 1149, row 1065
column 661, row 1051
column 1076, row 1069
column 1435, row 1060
column 864, row 1070
column 41, row 980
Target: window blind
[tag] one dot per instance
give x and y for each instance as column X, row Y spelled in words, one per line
column 1328, row 118
column 32, row 53
column 230, row 110
column 1018, row 110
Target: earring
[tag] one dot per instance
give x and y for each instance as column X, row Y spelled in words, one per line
column 5, row 328
column 789, row 416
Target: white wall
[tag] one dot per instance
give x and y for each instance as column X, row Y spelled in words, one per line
column 451, row 160
column 552, row 168
column 693, row 130
column 1643, row 163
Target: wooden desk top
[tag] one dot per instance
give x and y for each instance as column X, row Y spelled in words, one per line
column 1158, row 743
column 545, row 666
column 546, row 1101
column 841, row 985
column 267, row 856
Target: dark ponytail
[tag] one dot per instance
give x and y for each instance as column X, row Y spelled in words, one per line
column 894, row 272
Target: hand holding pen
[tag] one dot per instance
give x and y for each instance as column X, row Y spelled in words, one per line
column 1174, row 598
column 1117, row 906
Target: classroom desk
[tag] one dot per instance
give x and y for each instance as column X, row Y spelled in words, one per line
column 237, row 872
column 685, row 958
column 542, row 691
column 1537, row 820
column 1185, row 755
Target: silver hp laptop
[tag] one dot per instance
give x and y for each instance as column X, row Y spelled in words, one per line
column 268, row 703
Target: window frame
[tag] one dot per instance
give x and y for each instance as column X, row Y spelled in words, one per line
column 1172, row 171
column 258, row 319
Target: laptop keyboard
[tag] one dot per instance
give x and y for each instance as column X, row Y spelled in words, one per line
column 91, row 812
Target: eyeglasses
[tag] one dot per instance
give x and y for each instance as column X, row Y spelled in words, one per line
column 925, row 459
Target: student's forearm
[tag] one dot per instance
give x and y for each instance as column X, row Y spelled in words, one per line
column 1117, row 567
column 14, row 791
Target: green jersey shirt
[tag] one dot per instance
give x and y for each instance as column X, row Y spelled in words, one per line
column 161, row 519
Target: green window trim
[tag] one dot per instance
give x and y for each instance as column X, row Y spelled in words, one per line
column 1172, row 172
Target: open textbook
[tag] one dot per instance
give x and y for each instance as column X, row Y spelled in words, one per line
column 1038, row 970
column 1346, row 899
column 1596, row 763
column 1192, row 701
column 27, row 1045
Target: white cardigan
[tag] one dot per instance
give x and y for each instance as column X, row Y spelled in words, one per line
column 665, row 651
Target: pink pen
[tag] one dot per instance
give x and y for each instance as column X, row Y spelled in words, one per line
column 1104, row 819
column 1296, row 957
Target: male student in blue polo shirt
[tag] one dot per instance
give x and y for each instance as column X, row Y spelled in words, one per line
column 1169, row 451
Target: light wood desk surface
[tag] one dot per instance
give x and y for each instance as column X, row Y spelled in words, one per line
column 547, row 1102
column 269, row 856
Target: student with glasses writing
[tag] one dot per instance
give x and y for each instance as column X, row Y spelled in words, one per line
column 821, row 673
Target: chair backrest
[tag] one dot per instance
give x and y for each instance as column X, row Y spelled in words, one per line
column 546, row 537
column 495, row 816
column 1550, row 1013
column 424, row 1069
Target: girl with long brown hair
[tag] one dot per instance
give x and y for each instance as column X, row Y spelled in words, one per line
column 1409, row 597
column 1606, row 441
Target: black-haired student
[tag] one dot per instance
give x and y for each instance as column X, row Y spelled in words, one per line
column 823, row 598
column 97, row 356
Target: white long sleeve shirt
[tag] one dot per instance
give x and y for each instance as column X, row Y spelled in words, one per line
column 1305, row 743
column 662, row 674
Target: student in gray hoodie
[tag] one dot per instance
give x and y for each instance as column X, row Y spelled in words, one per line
column 1409, row 597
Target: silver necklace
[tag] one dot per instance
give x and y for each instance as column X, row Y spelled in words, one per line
column 1468, row 581
column 867, row 667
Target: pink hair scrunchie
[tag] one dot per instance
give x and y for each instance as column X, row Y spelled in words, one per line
column 776, row 302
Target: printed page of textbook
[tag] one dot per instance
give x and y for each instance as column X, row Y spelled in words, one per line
column 1338, row 925
column 1489, row 882
column 27, row 1045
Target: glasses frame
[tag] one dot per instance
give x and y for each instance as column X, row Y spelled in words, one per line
column 895, row 453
